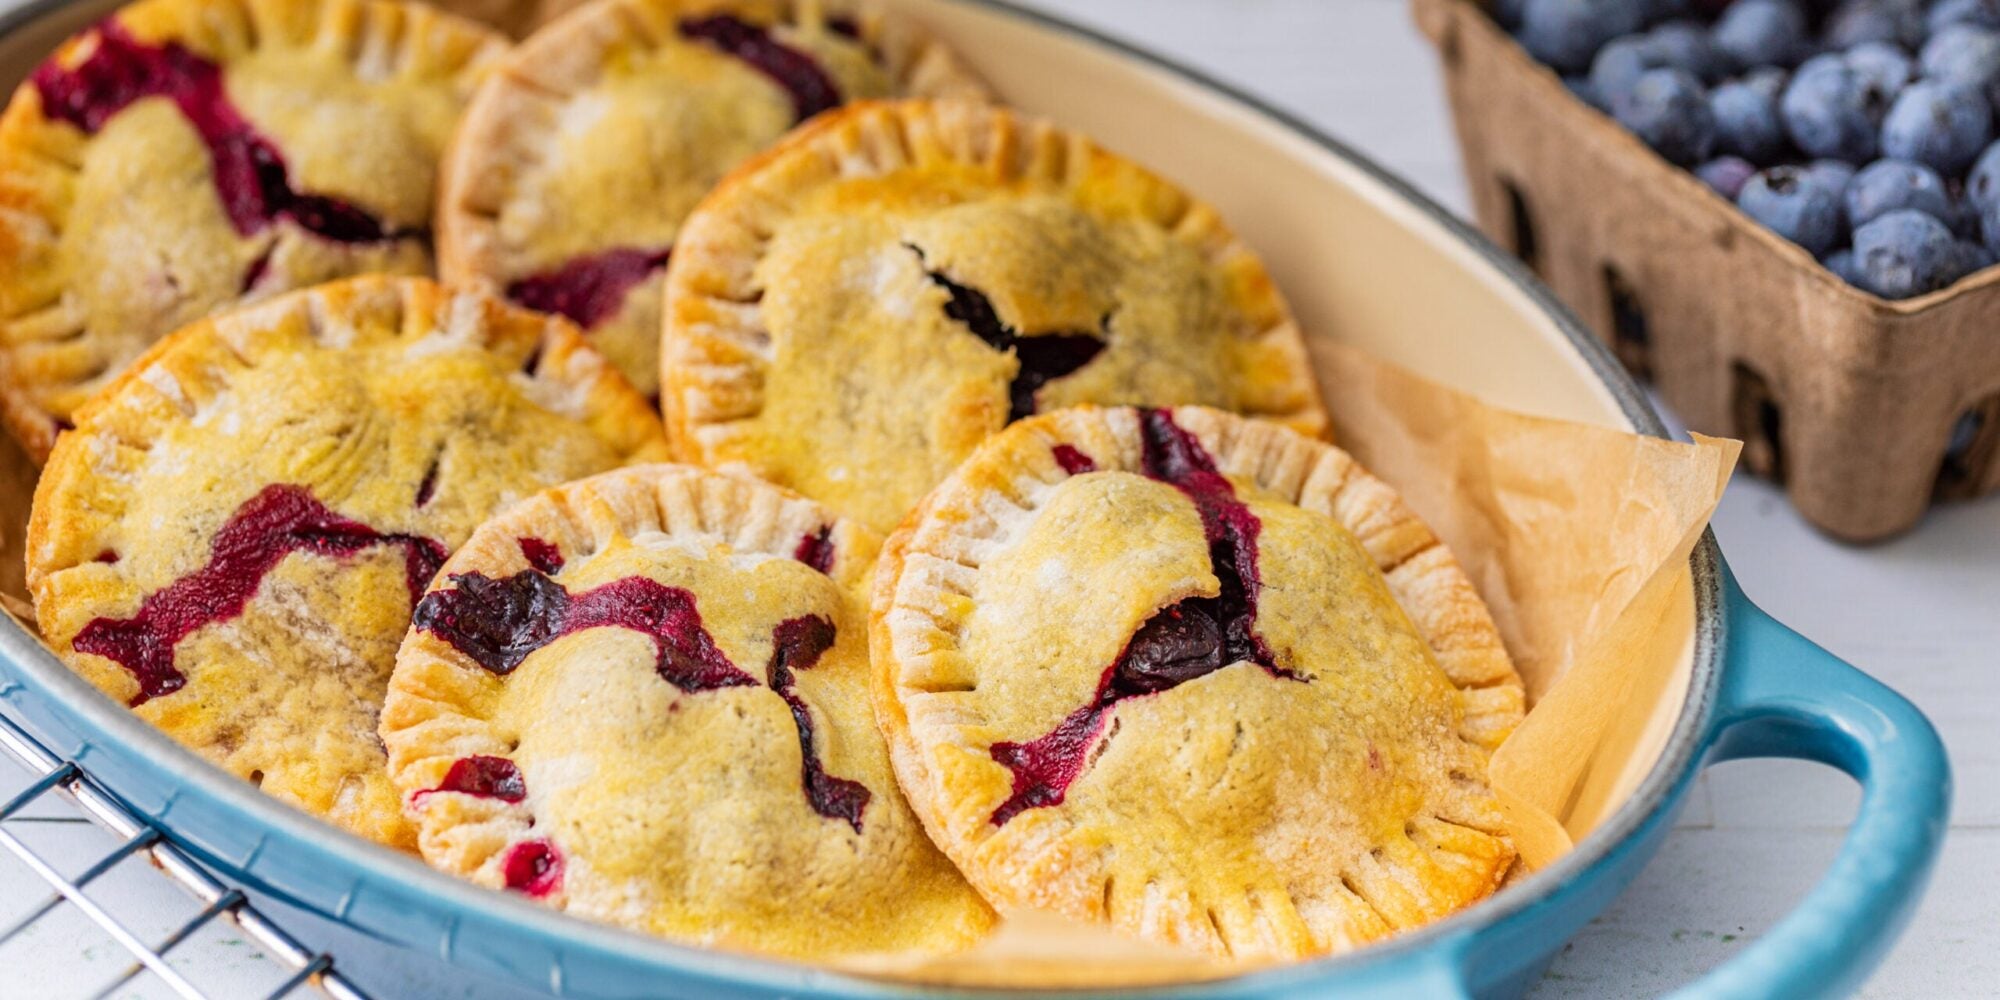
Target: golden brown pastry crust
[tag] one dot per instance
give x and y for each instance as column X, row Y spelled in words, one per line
column 671, row 795
column 343, row 439
column 600, row 132
column 114, row 238
column 851, row 312
column 1305, row 807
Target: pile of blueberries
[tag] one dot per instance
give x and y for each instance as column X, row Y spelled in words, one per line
column 1862, row 130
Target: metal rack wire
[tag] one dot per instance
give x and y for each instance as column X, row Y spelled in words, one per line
column 59, row 788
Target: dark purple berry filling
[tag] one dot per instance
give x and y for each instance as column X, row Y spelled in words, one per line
column 249, row 172
column 1043, row 358
column 427, row 486
column 1181, row 642
column 816, row 550
column 1073, row 461
column 255, row 272
column 276, row 522
column 589, row 289
column 107, row 556
column 811, row 89
column 797, row 644
column 542, row 554
column 533, row 867
column 485, row 777
column 498, row 623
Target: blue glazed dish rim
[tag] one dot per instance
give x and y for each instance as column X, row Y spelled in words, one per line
column 1678, row 759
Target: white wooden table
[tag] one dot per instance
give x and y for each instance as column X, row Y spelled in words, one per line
column 1922, row 613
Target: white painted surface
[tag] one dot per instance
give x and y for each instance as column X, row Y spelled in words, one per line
column 1920, row 613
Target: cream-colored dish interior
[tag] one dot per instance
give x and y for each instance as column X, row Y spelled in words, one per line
column 1360, row 266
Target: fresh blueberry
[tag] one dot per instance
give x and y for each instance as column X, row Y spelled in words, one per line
column 1507, row 12
column 1763, row 33
column 1726, row 175
column 1982, row 186
column 1767, row 80
column 1675, row 45
column 1854, row 22
column 1566, row 34
column 1621, row 63
column 1984, row 13
column 1669, row 110
column 1747, row 123
column 1791, row 205
column 1989, row 225
column 1841, row 263
column 1937, row 124
column 1688, row 45
column 1883, row 65
column 1972, row 258
column 1962, row 216
column 1832, row 176
column 1891, row 185
column 1965, row 55
column 1905, row 254
column 1832, row 110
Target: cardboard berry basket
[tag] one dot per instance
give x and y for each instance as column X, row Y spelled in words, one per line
column 1866, row 410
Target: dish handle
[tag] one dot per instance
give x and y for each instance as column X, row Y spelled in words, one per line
column 1783, row 696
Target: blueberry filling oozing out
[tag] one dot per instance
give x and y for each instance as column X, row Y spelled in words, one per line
column 533, row 868
column 498, row 623
column 250, row 174
column 798, row 73
column 797, row 644
column 815, row 549
column 542, row 554
column 1073, row 461
column 590, row 289
column 484, row 777
column 279, row 520
column 1179, row 643
column 1043, row 358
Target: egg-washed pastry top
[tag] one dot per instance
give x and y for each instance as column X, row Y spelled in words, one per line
column 186, row 155
column 852, row 312
column 233, row 537
column 1197, row 677
column 643, row 698
column 588, row 146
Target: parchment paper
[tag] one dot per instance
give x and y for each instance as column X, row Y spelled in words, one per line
column 1578, row 538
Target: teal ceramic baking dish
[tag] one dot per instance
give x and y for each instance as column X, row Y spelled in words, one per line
column 1366, row 261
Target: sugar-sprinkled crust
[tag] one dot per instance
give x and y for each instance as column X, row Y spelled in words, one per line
column 722, row 784
column 853, row 311
column 202, row 153
column 1321, row 788
column 583, row 152
column 231, row 537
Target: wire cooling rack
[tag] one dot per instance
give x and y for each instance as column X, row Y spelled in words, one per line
column 103, row 866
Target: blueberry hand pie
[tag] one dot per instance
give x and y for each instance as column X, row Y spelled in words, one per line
column 186, row 155
column 1197, row 677
column 856, row 310
column 644, row 698
column 233, row 538
column 583, row 153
